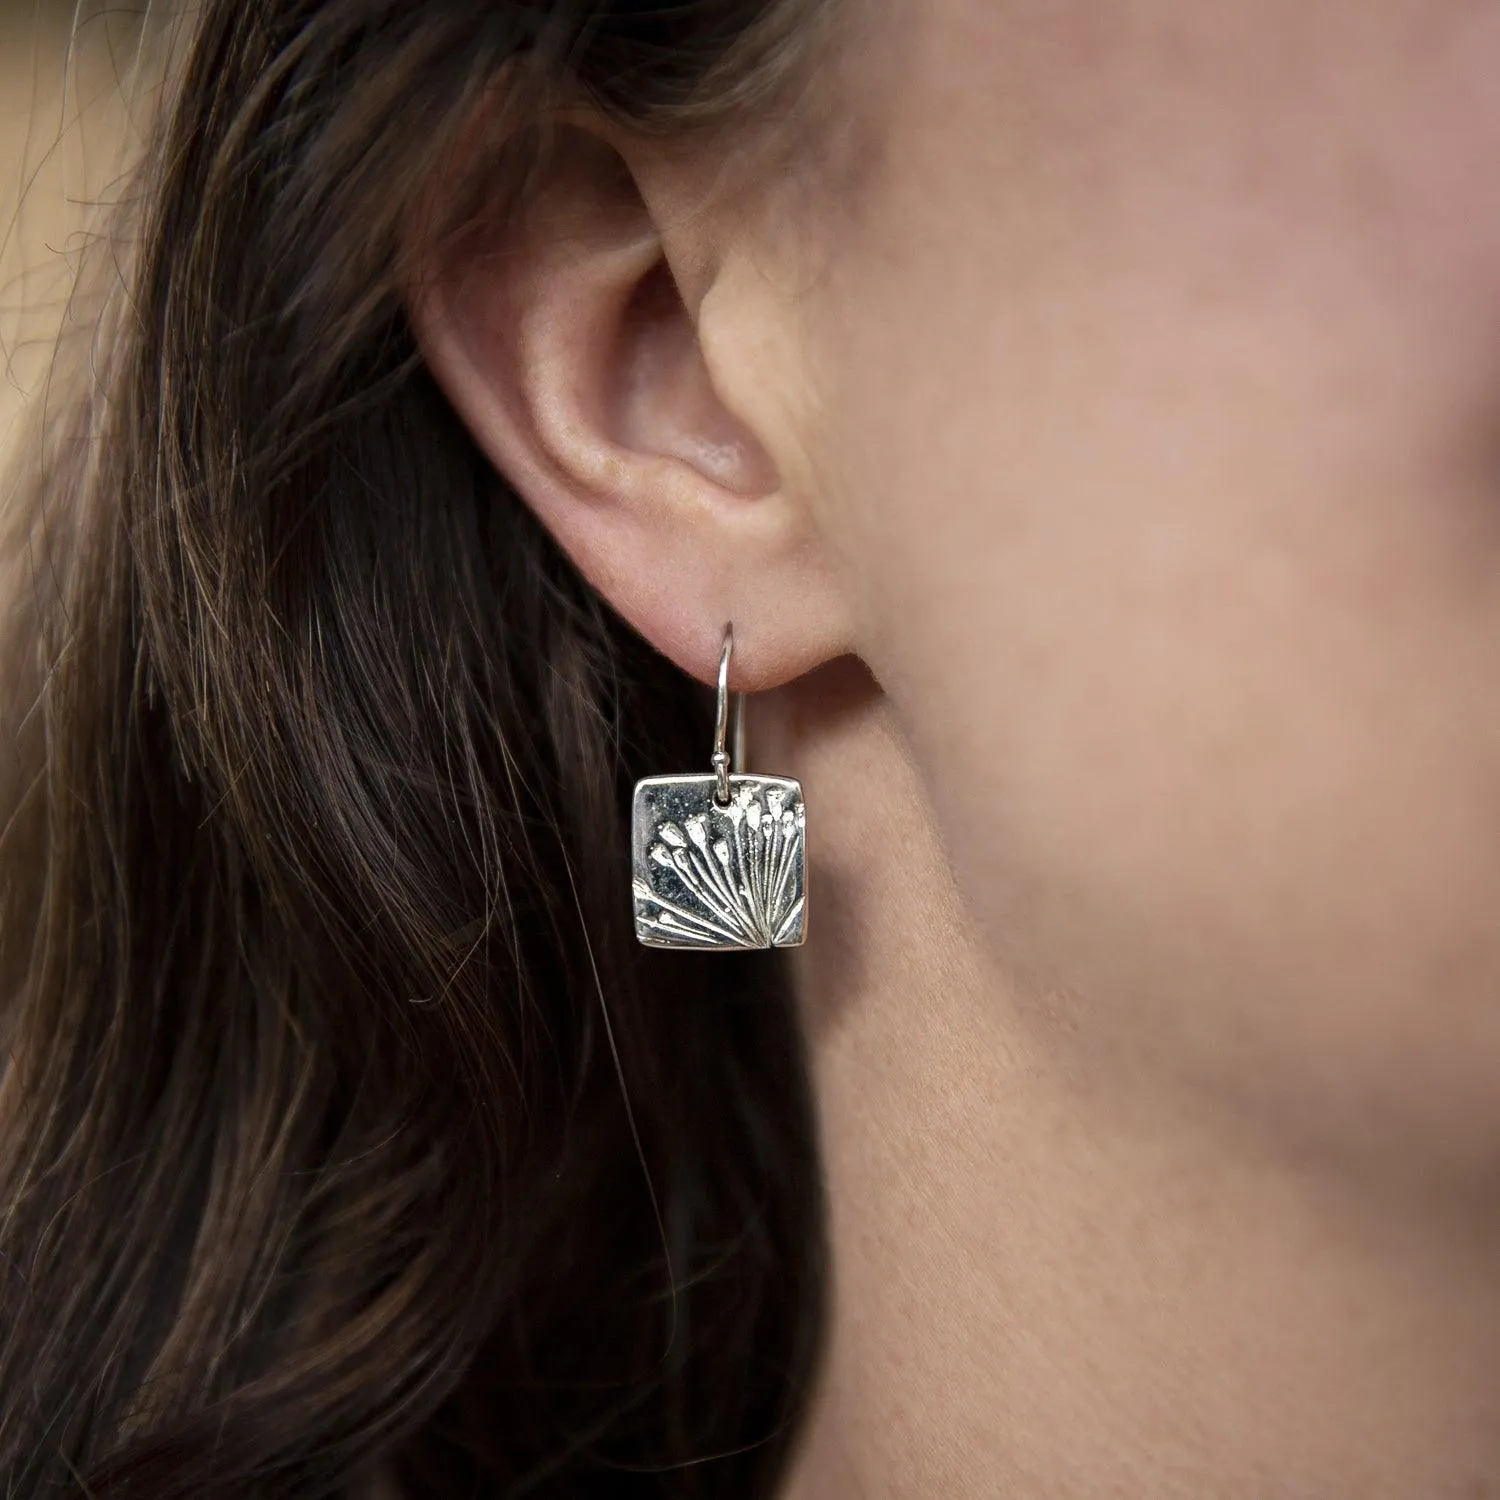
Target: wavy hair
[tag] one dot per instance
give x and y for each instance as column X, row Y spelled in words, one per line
column 344, row 1121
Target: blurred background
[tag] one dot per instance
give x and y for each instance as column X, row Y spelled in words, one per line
column 75, row 91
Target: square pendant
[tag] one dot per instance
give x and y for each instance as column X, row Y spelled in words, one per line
column 719, row 877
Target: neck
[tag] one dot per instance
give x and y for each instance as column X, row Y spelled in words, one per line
column 1049, row 1282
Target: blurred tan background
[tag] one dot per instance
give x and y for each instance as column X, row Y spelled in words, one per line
column 74, row 91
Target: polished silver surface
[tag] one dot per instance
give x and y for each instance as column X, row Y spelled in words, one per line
column 719, row 860
column 714, row 876
column 721, row 758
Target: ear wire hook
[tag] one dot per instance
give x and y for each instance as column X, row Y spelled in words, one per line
column 722, row 760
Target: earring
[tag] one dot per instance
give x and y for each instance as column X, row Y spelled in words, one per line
column 719, row 859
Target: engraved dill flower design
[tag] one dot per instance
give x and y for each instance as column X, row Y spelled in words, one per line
column 739, row 873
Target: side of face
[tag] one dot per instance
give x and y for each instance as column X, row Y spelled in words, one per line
column 1123, row 386
column 1161, row 451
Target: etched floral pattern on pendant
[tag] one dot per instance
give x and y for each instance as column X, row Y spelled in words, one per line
column 712, row 877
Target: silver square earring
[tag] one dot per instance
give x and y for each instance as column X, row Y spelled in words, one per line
column 720, row 859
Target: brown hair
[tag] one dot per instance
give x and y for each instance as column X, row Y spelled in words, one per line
column 344, row 1118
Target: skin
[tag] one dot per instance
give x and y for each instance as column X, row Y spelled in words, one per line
column 1098, row 452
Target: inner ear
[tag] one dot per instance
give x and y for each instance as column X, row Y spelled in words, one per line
column 569, row 332
column 559, row 330
column 662, row 398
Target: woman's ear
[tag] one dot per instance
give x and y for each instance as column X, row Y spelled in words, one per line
column 565, row 342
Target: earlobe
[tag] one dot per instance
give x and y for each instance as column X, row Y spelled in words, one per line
column 564, row 344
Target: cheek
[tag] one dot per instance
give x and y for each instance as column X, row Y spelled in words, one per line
column 1179, row 557
column 1224, row 769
